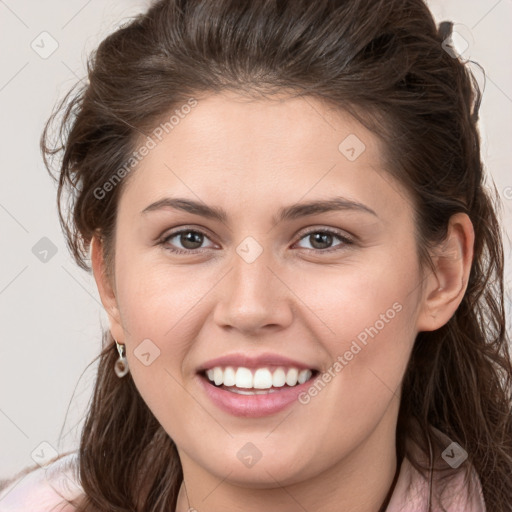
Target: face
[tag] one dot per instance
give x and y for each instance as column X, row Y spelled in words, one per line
column 274, row 290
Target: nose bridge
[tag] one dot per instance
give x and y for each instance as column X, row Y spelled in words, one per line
column 253, row 297
column 251, row 280
column 251, row 275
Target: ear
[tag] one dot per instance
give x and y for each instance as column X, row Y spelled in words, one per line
column 106, row 289
column 444, row 288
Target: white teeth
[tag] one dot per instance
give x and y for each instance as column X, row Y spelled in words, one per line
column 304, row 375
column 243, row 378
column 292, row 377
column 260, row 379
column 229, row 376
column 218, row 376
column 278, row 378
column 253, row 391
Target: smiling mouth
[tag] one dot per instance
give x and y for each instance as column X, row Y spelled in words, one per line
column 258, row 381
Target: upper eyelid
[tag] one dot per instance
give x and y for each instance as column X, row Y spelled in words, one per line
column 173, row 233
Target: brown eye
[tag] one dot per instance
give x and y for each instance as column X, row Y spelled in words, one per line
column 189, row 239
column 321, row 240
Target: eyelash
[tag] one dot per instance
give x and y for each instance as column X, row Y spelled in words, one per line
column 346, row 241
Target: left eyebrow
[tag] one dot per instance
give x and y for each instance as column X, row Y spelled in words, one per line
column 291, row 212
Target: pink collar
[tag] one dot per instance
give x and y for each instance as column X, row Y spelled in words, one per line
column 448, row 492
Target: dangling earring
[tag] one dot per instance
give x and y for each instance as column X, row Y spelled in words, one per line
column 121, row 366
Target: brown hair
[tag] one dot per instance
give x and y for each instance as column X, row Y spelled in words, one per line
column 383, row 62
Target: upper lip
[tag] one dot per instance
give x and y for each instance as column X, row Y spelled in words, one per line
column 254, row 361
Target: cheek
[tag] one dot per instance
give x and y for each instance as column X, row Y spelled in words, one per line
column 367, row 325
column 157, row 299
column 160, row 308
column 369, row 338
column 361, row 300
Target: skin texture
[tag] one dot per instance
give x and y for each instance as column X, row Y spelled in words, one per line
column 252, row 157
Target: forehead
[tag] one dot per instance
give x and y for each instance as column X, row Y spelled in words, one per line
column 230, row 148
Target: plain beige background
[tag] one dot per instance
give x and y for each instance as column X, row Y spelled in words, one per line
column 51, row 316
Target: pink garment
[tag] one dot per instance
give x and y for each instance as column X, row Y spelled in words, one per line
column 38, row 490
column 411, row 493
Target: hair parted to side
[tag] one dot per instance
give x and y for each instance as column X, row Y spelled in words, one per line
column 381, row 61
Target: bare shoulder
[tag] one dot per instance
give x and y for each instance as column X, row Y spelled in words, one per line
column 44, row 489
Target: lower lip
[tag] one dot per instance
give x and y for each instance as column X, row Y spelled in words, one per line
column 252, row 406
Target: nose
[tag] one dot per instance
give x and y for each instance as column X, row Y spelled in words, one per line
column 254, row 296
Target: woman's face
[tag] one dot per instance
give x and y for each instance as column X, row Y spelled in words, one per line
column 272, row 290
